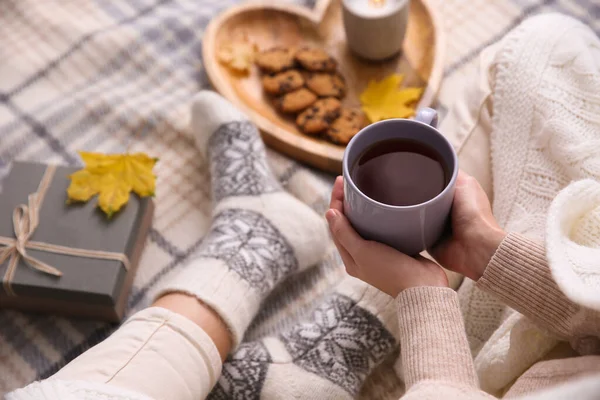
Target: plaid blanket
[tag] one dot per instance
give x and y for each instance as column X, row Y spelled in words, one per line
column 108, row 76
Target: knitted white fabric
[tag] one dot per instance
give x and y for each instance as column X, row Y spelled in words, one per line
column 259, row 234
column 573, row 242
column 327, row 356
column 545, row 134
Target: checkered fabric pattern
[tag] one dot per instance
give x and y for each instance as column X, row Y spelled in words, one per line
column 113, row 76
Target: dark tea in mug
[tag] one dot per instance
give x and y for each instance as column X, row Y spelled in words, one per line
column 400, row 172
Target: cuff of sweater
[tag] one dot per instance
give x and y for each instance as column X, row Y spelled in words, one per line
column 433, row 341
column 519, row 275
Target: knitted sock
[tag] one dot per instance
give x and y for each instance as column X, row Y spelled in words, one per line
column 327, row 357
column 259, row 234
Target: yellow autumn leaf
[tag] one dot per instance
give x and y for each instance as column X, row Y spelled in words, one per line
column 135, row 172
column 144, row 159
column 84, row 185
column 97, row 161
column 385, row 99
column 239, row 56
column 114, row 194
column 112, row 177
column 375, row 89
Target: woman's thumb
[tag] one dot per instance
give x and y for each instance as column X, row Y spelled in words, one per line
column 342, row 231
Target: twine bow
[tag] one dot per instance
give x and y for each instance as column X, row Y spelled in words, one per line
column 25, row 222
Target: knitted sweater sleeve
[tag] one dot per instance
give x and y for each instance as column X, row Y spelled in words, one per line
column 435, row 353
column 519, row 275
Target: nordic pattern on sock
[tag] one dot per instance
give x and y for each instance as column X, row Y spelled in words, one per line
column 342, row 343
column 243, row 374
column 251, row 246
column 239, row 164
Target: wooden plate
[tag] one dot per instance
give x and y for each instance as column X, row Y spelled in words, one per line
column 271, row 24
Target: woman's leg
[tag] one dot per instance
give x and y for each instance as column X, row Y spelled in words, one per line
column 327, row 356
column 259, row 236
column 161, row 353
column 200, row 314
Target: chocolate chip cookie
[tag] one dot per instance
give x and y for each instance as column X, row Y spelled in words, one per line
column 296, row 101
column 327, row 85
column 319, row 116
column 275, row 60
column 346, row 126
column 314, row 59
column 283, row 82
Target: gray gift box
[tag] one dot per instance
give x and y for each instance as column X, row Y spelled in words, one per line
column 89, row 287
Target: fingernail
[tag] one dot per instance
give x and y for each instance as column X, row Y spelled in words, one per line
column 330, row 216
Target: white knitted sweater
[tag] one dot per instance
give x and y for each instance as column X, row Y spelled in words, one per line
column 545, row 137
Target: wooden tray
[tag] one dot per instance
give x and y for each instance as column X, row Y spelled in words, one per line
column 269, row 24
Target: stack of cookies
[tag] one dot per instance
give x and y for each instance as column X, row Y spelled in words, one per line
column 306, row 83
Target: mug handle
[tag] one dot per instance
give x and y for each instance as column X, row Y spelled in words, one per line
column 428, row 116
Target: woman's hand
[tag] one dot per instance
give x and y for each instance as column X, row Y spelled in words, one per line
column 475, row 234
column 377, row 264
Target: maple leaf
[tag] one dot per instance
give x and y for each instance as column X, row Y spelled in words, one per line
column 112, row 177
column 238, row 56
column 385, row 99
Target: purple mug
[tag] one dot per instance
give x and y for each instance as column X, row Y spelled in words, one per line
column 409, row 229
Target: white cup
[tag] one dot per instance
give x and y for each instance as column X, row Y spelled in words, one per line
column 375, row 29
